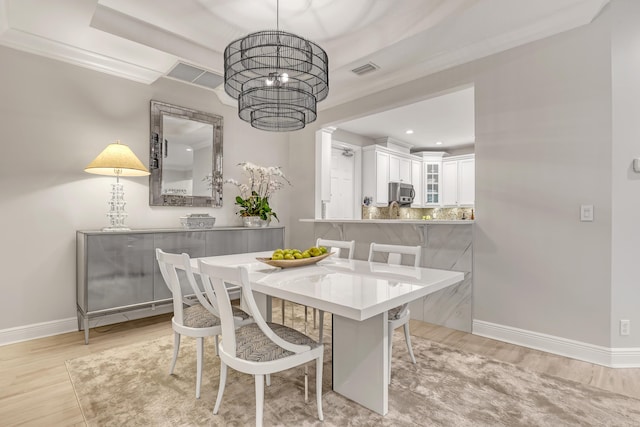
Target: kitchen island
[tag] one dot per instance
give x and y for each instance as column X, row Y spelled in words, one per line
column 447, row 244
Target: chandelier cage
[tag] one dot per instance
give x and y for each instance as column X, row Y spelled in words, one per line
column 277, row 77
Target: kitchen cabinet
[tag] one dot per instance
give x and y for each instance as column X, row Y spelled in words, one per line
column 458, row 181
column 381, row 166
column 399, row 169
column 375, row 176
column 431, row 178
column 417, row 181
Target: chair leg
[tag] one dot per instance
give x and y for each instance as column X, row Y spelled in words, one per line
column 390, row 349
column 321, row 326
column 283, row 312
column 306, row 384
column 259, row 399
column 223, row 381
column 407, row 338
column 199, row 357
column 319, row 387
column 314, row 318
column 176, row 348
column 268, row 377
column 217, row 338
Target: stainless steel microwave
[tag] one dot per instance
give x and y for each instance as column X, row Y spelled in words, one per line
column 401, row 193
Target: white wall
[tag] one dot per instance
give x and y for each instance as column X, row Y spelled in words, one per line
column 55, row 118
column 543, row 148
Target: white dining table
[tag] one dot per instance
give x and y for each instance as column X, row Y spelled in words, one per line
column 358, row 294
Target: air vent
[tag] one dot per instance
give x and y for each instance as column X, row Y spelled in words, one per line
column 195, row 75
column 366, row 68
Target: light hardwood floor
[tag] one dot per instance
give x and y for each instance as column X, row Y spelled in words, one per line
column 35, row 389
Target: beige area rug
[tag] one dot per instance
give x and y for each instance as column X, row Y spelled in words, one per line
column 130, row 386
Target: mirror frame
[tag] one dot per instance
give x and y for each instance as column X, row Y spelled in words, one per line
column 156, row 198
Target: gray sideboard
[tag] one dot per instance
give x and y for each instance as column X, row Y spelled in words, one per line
column 118, row 272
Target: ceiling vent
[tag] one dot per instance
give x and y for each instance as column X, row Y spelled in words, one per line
column 366, row 68
column 197, row 76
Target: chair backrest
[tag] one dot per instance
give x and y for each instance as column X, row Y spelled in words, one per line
column 170, row 264
column 167, row 263
column 214, row 280
column 395, row 252
column 341, row 246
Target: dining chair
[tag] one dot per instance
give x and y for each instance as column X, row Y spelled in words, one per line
column 197, row 320
column 401, row 315
column 259, row 348
column 338, row 247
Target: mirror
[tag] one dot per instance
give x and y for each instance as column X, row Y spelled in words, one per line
column 185, row 157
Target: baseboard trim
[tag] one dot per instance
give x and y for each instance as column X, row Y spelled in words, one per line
column 63, row 326
column 38, row 330
column 610, row 357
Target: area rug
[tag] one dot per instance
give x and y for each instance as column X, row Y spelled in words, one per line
column 130, row 386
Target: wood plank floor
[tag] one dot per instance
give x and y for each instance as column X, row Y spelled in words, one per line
column 35, row 389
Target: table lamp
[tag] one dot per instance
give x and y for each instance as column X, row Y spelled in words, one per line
column 117, row 159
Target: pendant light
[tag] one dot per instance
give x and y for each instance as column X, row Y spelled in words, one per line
column 277, row 77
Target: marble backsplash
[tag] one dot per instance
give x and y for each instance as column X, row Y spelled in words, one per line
column 369, row 212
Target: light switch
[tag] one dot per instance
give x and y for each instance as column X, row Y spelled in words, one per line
column 586, row 212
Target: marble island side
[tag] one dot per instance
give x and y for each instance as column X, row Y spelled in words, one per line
column 446, row 244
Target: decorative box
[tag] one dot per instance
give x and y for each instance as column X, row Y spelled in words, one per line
column 197, row 221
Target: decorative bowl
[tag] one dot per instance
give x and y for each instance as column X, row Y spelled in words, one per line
column 197, row 221
column 287, row 263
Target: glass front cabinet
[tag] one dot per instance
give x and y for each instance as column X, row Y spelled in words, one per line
column 432, row 179
column 432, row 169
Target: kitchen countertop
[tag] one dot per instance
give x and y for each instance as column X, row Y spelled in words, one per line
column 393, row 221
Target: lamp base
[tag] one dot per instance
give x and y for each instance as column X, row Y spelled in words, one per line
column 116, row 213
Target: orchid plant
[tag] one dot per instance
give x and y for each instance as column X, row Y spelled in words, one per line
column 254, row 196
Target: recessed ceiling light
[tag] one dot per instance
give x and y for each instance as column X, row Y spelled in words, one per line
column 438, row 142
column 409, row 132
column 189, row 149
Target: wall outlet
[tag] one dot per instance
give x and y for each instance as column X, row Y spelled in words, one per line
column 625, row 327
column 586, row 212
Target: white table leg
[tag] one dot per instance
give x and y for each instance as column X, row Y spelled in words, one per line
column 361, row 361
column 264, row 305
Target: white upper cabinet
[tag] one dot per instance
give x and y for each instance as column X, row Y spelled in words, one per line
column 432, row 178
column 467, row 182
column 383, row 167
column 458, row 181
column 380, row 166
column 399, row 169
column 437, row 180
column 417, row 181
column 375, row 176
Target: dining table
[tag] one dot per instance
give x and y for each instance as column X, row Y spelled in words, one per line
column 358, row 294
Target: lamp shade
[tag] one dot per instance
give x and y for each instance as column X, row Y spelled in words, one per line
column 117, row 160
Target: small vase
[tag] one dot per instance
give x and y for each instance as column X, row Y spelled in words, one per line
column 255, row 221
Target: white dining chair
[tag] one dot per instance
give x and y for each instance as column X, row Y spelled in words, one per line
column 341, row 248
column 260, row 348
column 197, row 320
column 401, row 315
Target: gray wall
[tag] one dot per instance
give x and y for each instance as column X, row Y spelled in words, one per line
column 625, row 292
column 556, row 128
column 55, row 118
column 543, row 147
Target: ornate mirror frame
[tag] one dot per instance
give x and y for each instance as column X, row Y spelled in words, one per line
column 156, row 196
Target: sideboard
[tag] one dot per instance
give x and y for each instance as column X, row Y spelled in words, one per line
column 118, row 272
